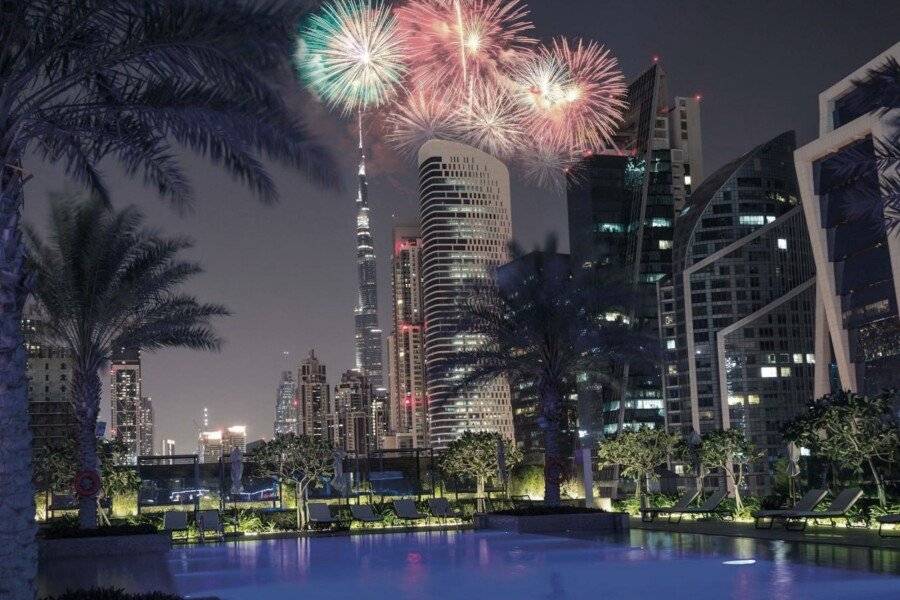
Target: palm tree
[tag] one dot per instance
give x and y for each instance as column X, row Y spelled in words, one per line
column 541, row 326
column 132, row 81
column 104, row 283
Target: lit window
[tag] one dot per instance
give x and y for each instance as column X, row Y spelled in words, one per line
column 770, row 358
column 798, row 359
column 735, row 400
column 687, row 180
column 782, row 244
column 670, row 344
column 811, row 359
column 665, row 244
column 785, row 371
column 610, row 227
column 752, row 399
column 770, row 218
column 660, row 222
column 673, row 370
column 768, row 372
column 751, row 220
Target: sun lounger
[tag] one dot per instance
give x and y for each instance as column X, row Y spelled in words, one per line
column 175, row 520
column 320, row 514
column 649, row 513
column 838, row 508
column 709, row 508
column 887, row 520
column 364, row 513
column 808, row 502
column 209, row 521
column 440, row 508
column 406, row 510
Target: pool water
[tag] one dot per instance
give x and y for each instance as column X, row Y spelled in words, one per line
column 473, row 565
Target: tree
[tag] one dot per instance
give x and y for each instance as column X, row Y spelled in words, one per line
column 117, row 477
column 475, row 455
column 103, row 283
column 133, row 81
column 638, row 453
column 851, row 430
column 541, row 327
column 302, row 460
column 732, row 452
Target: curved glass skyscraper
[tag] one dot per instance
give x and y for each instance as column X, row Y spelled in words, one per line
column 466, row 227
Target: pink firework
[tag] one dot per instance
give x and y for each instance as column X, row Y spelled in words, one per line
column 574, row 93
column 492, row 120
column 549, row 167
column 457, row 45
column 419, row 117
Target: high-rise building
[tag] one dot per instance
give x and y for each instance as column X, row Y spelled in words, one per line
column 209, row 446
column 286, row 404
column 125, row 399
column 352, row 420
column 737, row 316
column 49, row 393
column 857, row 262
column 145, row 426
column 466, row 228
column 313, row 396
column 526, row 407
column 168, row 447
column 234, row 437
column 368, row 334
column 622, row 208
column 408, row 420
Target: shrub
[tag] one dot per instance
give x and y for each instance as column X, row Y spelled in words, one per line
column 547, row 510
column 110, row 594
column 68, row 528
column 527, row 480
column 572, row 488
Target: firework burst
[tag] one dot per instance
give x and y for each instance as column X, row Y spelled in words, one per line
column 351, row 54
column 458, row 45
column 419, row 117
column 549, row 167
column 574, row 93
column 493, row 121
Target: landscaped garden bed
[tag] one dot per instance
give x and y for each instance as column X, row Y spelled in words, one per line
column 553, row 519
column 64, row 540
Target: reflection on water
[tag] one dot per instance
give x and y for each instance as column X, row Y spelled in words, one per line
column 462, row 565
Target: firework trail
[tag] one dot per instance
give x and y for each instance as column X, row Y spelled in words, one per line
column 492, row 120
column 419, row 117
column 351, row 54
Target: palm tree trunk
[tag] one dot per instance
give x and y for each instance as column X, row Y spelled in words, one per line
column 86, row 392
column 550, row 409
column 18, row 548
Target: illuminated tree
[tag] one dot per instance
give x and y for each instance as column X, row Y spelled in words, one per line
column 301, row 460
column 853, row 431
column 638, row 453
column 732, row 452
column 475, row 455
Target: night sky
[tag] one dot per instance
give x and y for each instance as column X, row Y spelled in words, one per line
column 288, row 272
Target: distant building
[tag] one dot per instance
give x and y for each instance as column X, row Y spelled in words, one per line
column 210, row 446
column 168, row 447
column 857, row 262
column 234, row 437
column 352, row 420
column 737, row 316
column 145, row 427
column 286, row 404
column 622, row 211
column 314, row 397
column 125, row 399
column 466, row 227
column 408, row 420
column 49, row 387
column 526, row 407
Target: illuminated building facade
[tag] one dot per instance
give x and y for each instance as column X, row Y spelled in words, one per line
column 209, row 446
column 737, row 316
column 49, row 379
column 145, row 427
column 234, row 437
column 125, row 399
column 314, row 397
column 406, row 344
column 857, row 262
column 466, row 228
column 286, row 404
column 353, row 420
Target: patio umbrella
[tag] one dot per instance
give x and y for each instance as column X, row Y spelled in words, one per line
column 793, row 469
column 694, row 442
column 340, row 479
column 237, row 471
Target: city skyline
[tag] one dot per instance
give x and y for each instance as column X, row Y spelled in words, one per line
column 238, row 384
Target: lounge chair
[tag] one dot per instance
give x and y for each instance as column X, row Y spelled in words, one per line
column 887, row 520
column 364, row 513
column 808, row 502
column 320, row 514
column 406, row 510
column 838, row 508
column 649, row 513
column 175, row 520
column 709, row 508
column 208, row 520
column 440, row 508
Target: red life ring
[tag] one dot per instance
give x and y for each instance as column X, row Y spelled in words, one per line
column 87, row 483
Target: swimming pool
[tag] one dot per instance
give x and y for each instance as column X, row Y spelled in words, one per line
column 473, row 565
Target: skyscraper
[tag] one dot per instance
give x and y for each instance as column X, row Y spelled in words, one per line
column 286, row 404
column 406, row 345
column 145, row 427
column 49, row 402
column 234, row 437
column 125, row 399
column 368, row 334
column 857, row 261
column 466, row 228
column 737, row 316
column 314, row 397
column 209, row 446
column 352, row 422
column 622, row 210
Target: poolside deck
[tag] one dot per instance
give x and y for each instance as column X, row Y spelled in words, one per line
column 840, row 536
